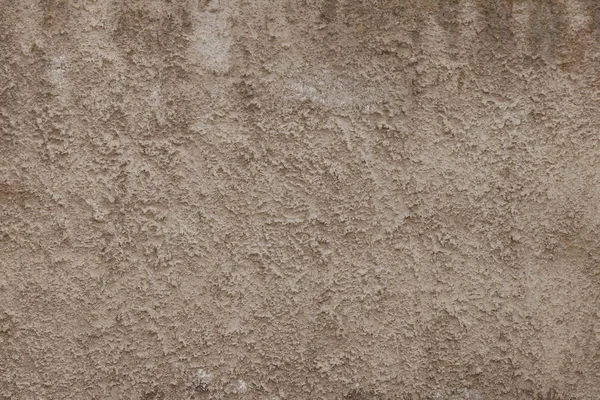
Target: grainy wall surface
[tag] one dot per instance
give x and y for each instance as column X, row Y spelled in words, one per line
column 300, row 199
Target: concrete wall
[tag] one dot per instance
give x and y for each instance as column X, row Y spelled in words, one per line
column 300, row 199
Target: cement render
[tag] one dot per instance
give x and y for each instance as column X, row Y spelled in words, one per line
column 308, row 199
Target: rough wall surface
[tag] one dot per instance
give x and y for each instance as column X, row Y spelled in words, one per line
column 300, row 199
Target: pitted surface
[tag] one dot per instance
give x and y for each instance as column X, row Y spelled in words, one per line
column 315, row 199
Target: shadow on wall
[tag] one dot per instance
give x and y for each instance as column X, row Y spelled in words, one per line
column 553, row 27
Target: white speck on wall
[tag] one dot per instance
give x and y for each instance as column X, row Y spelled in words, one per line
column 204, row 376
column 241, row 386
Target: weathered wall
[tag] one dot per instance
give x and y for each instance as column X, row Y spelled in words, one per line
column 300, row 199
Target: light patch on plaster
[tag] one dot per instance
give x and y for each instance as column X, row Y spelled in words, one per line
column 324, row 88
column 579, row 19
column 212, row 39
column 307, row 93
column 57, row 75
column 155, row 101
column 155, row 98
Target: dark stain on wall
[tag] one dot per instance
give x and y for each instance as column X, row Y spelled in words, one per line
column 498, row 34
column 145, row 34
column 547, row 29
column 329, row 10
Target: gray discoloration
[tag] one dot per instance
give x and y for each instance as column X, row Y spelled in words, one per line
column 358, row 199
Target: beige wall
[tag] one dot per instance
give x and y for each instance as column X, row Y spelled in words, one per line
column 300, row 199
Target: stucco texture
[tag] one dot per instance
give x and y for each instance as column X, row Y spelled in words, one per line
column 300, row 199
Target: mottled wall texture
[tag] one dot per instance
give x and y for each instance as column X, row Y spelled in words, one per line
column 300, row 199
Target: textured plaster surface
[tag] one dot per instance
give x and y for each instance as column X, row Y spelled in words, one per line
column 300, row 199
